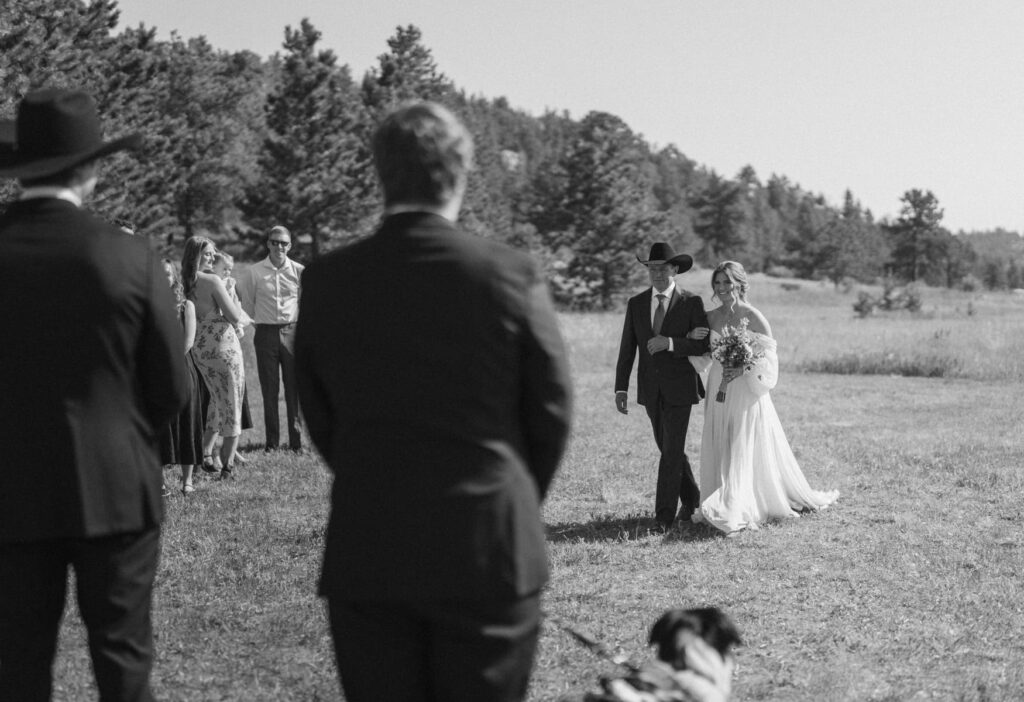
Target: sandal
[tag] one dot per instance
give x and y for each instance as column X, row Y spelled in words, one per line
column 225, row 473
column 208, row 464
column 187, row 487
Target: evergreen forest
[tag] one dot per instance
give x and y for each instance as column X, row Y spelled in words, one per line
column 236, row 143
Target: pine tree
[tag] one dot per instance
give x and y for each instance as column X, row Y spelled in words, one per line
column 718, row 208
column 605, row 212
column 917, row 238
column 315, row 164
column 406, row 72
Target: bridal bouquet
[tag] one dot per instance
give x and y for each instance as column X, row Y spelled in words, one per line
column 735, row 349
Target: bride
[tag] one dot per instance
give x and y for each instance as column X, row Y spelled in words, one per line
column 748, row 474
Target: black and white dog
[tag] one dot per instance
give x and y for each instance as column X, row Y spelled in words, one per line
column 709, row 623
column 672, row 677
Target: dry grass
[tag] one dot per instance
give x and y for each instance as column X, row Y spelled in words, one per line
column 909, row 588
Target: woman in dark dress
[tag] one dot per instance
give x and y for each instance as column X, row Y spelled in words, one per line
column 182, row 442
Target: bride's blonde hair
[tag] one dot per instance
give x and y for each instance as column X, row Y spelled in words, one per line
column 735, row 272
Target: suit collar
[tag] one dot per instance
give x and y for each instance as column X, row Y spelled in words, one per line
column 672, row 287
column 36, row 204
column 406, row 217
column 37, row 192
column 405, row 221
column 672, row 291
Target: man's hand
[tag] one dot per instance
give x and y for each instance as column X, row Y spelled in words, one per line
column 656, row 344
column 621, row 398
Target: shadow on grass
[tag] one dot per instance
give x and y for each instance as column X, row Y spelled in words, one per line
column 633, row 527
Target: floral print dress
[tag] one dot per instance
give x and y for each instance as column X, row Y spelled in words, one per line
column 218, row 354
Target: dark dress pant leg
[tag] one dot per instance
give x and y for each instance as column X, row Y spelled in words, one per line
column 675, row 477
column 33, row 583
column 291, row 388
column 266, row 342
column 436, row 651
column 115, row 592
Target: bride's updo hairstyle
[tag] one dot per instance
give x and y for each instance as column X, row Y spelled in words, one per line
column 734, row 270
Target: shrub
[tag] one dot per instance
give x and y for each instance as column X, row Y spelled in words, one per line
column 892, row 299
column 911, row 298
column 925, row 365
column 865, row 304
column 971, row 283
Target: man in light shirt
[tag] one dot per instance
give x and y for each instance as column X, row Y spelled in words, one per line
column 269, row 292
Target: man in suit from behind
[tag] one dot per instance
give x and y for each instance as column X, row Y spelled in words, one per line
column 433, row 380
column 91, row 368
column 658, row 323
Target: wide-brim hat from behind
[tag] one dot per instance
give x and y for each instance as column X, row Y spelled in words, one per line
column 662, row 252
column 55, row 129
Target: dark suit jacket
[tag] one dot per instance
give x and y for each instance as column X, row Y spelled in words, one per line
column 91, row 365
column 668, row 374
column 433, row 380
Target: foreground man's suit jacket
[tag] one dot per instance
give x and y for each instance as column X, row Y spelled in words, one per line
column 433, row 379
column 91, row 366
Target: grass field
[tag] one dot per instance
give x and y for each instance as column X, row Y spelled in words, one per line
column 909, row 588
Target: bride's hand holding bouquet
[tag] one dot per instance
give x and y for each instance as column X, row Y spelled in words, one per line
column 736, row 351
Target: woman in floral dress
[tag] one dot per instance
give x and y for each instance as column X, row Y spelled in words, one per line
column 217, row 351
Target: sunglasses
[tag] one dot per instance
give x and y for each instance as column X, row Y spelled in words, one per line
column 279, row 242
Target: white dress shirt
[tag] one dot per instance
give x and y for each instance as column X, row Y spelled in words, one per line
column 271, row 295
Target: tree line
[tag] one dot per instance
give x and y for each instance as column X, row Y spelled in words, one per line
column 236, row 143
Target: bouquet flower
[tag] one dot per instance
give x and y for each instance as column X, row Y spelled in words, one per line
column 735, row 349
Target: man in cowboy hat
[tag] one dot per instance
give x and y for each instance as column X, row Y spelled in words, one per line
column 658, row 322
column 438, row 393
column 91, row 368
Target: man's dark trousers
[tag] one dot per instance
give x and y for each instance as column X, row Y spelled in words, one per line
column 274, row 345
column 675, row 478
column 423, row 651
column 114, row 577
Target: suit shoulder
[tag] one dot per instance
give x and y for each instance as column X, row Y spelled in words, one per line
column 493, row 257
column 643, row 295
column 691, row 297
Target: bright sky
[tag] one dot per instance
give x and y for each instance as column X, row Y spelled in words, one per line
column 878, row 96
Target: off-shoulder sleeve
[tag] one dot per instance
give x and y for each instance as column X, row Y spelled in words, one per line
column 763, row 377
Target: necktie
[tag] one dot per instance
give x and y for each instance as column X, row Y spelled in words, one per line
column 659, row 314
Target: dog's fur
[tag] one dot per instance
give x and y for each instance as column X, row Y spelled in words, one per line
column 709, row 623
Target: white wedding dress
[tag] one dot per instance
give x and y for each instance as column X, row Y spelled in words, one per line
column 748, row 474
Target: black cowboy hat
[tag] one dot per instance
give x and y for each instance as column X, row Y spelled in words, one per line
column 55, row 130
column 663, row 253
